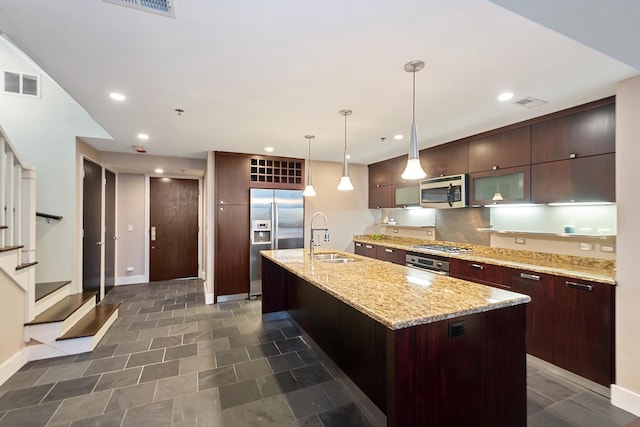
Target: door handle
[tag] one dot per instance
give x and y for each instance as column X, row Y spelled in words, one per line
column 530, row 276
column 583, row 287
column 478, row 266
column 99, row 243
column 153, row 234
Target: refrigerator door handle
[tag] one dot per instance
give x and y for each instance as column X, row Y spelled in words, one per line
column 274, row 224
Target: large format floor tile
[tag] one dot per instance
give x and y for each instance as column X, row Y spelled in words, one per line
column 171, row 360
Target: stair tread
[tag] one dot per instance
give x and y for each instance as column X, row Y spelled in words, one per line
column 63, row 309
column 91, row 323
column 11, row 248
column 26, row 265
column 45, row 288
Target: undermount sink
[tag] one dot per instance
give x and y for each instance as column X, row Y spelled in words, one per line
column 333, row 258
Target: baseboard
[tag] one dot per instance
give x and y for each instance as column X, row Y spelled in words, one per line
column 131, row 280
column 208, row 298
column 625, row 399
column 13, row 365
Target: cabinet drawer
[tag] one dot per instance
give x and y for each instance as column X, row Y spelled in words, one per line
column 396, row 256
column 365, row 249
column 486, row 274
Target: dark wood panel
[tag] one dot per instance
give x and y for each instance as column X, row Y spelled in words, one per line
column 380, row 174
column 274, row 298
column 584, row 133
column 398, row 165
column 584, row 328
column 503, row 150
column 430, row 372
column 232, row 178
column 381, row 197
column 540, row 324
column 91, row 225
column 109, row 231
column 173, row 213
column 232, row 250
column 479, row 272
column 446, row 159
column 585, row 179
column 369, row 250
column 394, row 255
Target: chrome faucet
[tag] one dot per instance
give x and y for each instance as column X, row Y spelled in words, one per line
column 313, row 244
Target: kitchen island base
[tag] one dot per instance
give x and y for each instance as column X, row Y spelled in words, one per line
column 468, row 370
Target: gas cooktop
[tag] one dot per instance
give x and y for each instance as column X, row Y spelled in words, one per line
column 443, row 248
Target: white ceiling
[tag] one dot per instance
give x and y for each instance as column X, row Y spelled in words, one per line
column 251, row 74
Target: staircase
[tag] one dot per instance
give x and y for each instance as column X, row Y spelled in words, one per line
column 57, row 320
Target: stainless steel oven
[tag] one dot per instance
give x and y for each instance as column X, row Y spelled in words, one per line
column 433, row 263
column 444, row 192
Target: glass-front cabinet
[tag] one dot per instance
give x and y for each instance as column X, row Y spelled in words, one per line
column 406, row 195
column 511, row 185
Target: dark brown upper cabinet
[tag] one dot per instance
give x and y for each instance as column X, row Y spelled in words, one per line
column 581, row 134
column 232, row 178
column 398, row 165
column 501, row 150
column 446, row 159
column 380, row 174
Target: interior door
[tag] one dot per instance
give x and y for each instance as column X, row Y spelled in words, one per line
column 91, row 225
column 109, row 231
column 173, row 237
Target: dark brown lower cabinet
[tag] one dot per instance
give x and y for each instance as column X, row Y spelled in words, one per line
column 232, row 250
column 365, row 249
column 479, row 272
column 584, row 325
column 470, row 370
column 394, row 255
column 540, row 324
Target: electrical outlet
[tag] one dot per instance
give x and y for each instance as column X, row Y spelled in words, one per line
column 429, row 233
column 586, row 247
column 129, row 269
column 605, row 248
column 395, row 230
column 521, row 241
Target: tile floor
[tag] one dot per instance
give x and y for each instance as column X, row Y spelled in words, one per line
column 171, row 360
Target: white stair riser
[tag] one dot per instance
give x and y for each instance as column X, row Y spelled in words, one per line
column 50, row 300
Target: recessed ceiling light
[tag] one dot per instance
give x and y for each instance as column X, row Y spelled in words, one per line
column 505, row 96
column 159, row 170
column 143, row 136
column 398, row 137
column 268, row 149
column 117, row 96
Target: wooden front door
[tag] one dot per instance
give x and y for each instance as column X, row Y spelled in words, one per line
column 173, row 237
column 109, row 230
column 91, row 225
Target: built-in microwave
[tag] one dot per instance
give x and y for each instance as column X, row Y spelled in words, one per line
column 444, row 192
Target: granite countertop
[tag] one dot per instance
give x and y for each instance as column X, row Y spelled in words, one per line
column 394, row 295
column 601, row 271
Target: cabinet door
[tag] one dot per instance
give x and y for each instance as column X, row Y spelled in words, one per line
column 396, row 256
column 446, row 159
column 398, row 165
column 586, row 133
column 368, row 250
column 232, row 179
column 584, row 325
column 381, row 197
column 380, row 174
column 502, row 150
column 406, row 195
column 479, row 272
column 584, row 179
column 232, row 250
column 358, row 248
column 513, row 184
column 539, row 311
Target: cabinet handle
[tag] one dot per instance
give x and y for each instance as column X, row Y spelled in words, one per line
column 573, row 155
column 378, row 185
column 580, row 286
column 495, row 167
column 478, row 266
column 388, row 250
column 530, row 276
column 368, row 246
column 358, row 244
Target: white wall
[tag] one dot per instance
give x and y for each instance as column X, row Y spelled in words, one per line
column 626, row 391
column 347, row 211
column 43, row 130
column 131, row 229
column 11, row 321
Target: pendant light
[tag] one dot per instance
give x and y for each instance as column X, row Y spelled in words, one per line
column 308, row 190
column 414, row 168
column 345, row 181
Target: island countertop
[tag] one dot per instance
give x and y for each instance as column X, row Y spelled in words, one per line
column 394, row 295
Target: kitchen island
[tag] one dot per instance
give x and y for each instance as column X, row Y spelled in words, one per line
column 426, row 349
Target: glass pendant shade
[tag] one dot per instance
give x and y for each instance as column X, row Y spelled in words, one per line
column 309, row 191
column 497, row 197
column 414, row 168
column 345, row 182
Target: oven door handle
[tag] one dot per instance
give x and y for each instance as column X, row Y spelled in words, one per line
column 428, row 270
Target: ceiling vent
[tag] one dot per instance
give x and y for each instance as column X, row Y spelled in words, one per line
column 159, row 7
column 530, row 102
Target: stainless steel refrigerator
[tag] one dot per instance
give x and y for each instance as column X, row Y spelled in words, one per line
column 277, row 222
